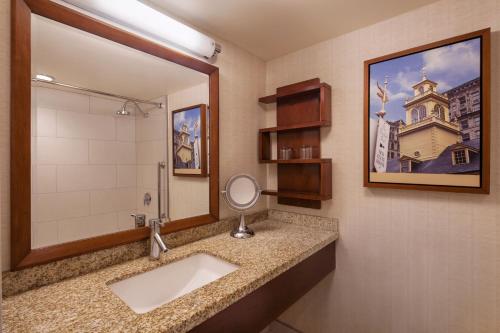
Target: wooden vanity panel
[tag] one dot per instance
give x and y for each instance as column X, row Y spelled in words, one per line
column 254, row 312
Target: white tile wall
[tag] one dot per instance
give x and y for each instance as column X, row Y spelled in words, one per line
column 146, row 175
column 152, row 128
column 46, row 122
column 84, row 172
column 108, row 201
column 104, row 106
column 151, row 148
column 85, row 177
column 126, row 153
column 61, row 151
column 88, row 226
column 54, row 99
column 127, row 176
column 150, row 152
column 44, row 178
column 125, row 129
column 85, row 126
column 45, row 234
column 125, row 222
column 57, row 206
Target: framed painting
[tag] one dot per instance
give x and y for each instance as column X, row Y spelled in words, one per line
column 427, row 117
column 189, row 141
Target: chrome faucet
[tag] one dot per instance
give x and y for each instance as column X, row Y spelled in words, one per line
column 157, row 244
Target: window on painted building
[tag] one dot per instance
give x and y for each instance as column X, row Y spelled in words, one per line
column 462, row 100
column 439, row 111
column 464, row 124
column 405, row 166
column 422, row 112
column 477, row 122
column 465, row 137
column 421, row 90
column 414, row 116
column 460, row 157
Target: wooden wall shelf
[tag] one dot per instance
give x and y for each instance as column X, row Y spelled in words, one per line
column 312, row 124
column 302, row 109
column 268, row 99
column 304, row 87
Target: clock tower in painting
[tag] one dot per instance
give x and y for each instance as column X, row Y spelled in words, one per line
column 185, row 149
column 428, row 130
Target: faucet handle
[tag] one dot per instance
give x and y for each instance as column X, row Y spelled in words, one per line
column 139, row 219
column 154, row 222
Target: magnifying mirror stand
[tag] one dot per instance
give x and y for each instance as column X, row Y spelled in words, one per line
column 241, row 193
column 242, row 231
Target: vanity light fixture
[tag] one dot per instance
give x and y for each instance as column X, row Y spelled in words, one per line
column 138, row 16
column 44, row 77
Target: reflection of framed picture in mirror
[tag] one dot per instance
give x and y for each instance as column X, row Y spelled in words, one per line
column 427, row 117
column 189, row 141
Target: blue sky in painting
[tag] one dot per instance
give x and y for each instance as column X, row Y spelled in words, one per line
column 449, row 66
column 190, row 117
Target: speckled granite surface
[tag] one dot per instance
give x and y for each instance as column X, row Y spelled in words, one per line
column 42, row 275
column 86, row 304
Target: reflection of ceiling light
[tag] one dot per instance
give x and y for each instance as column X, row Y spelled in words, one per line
column 140, row 17
column 44, row 77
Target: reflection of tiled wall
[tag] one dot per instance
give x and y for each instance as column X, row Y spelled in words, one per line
column 84, row 172
column 189, row 196
column 242, row 78
column 151, row 148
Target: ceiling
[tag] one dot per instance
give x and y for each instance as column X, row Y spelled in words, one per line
column 271, row 28
column 78, row 58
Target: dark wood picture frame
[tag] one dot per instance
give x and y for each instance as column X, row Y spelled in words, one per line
column 203, row 141
column 22, row 255
column 484, row 187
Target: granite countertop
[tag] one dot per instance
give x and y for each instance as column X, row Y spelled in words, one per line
column 87, row 304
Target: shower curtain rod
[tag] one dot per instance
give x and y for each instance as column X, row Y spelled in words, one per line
column 141, row 101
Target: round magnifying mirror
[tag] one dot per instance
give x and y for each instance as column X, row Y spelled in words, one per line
column 241, row 193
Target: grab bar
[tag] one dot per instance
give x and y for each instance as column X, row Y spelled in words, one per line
column 161, row 216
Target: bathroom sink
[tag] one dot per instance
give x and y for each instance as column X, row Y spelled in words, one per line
column 147, row 291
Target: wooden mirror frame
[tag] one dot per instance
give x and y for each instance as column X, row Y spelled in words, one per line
column 22, row 256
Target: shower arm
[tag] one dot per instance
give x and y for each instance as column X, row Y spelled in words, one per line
column 145, row 114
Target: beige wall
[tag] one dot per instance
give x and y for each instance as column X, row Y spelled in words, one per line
column 407, row 261
column 242, row 78
column 189, row 196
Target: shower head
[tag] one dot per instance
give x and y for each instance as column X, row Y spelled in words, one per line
column 125, row 112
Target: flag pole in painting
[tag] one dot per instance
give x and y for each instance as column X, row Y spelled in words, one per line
column 196, row 146
column 383, row 130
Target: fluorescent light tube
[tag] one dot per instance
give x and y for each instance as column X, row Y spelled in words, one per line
column 138, row 16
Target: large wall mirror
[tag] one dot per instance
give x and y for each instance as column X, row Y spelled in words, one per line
column 108, row 130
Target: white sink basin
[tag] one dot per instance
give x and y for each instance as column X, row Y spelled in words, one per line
column 149, row 290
